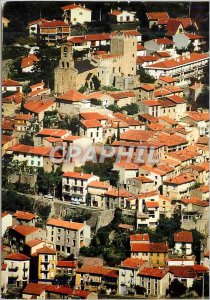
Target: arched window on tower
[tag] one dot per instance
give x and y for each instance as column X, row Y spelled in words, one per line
column 65, row 51
column 67, row 65
column 62, row 64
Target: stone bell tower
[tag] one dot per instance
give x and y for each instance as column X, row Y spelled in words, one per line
column 65, row 74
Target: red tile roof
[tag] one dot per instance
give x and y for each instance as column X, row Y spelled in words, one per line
column 33, row 150
column 174, row 63
column 164, row 41
column 171, row 140
column 152, row 102
column 24, row 117
column 121, row 95
column 99, row 184
column 37, row 106
column 29, row 61
column 73, row 96
column 194, row 36
column 181, row 179
column 17, row 256
column 34, row 242
column 53, row 24
column 74, row 6
column 167, row 79
column 24, row 230
column 153, row 272
column 140, row 237
column 34, row 289
column 10, row 82
column 132, row 263
column 182, row 271
column 45, row 250
column 172, row 27
column 65, row 224
column 93, row 116
column 127, row 119
column 91, row 123
column 53, row 132
column 97, row 270
column 77, row 175
column 146, row 58
column 143, row 179
column 3, row 267
column 140, row 47
column 198, row 116
column 163, row 54
column 38, row 21
column 23, row 215
column 176, row 99
column 183, row 237
column 152, row 204
column 126, row 165
column 152, row 247
column 152, row 16
column 136, row 135
column 168, row 120
column 66, row 264
column 148, row 87
column 121, row 193
column 115, row 12
column 16, row 97
column 186, row 22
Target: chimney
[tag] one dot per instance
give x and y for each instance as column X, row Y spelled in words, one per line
column 111, row 10
column 82, row 173
column 84, row 5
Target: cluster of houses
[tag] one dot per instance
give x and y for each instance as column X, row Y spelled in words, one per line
column 168, row 168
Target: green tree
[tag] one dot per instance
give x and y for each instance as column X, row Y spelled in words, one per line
column 12, row 201
column 196, row 246
column 203, row 98
column 131, row 109
column 176, row 288
column 96, row 83
column 144, row 76
column 198, row 285
column 114, row 108
column 44, row 68
column 72, row 124
column 50, row 182
column 27, row 140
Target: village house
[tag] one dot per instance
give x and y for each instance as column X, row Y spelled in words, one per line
column 92, row 129
column 198, row 119
column 6, row 222
column 18, row 269
column 179, row 186
column 19, row 235
column 159, row 44
column 183, row 40
column 34, row 290
column 38, row 89
column 45, row 260
column 66, row 267
column 155, row 253
column 32, row 246
column 93, row 278
column 139, row 184
column 22, row 124
column 54, row 31
column 194, row 214
column 165, row 206
column 75, row 186
column 103, row 98
column 141, row 50
column 67, row 237
column 183, row 243
column 146, row 91
column 117, row 198
column 126, row 170
column 167, row 80
column 35, row 156
column 9, row 85
column 40, row 137
column 74, row 14
column 157, row 18
column 123, row 98
column 128, row 274
column 28, row 63
column 7, row 141
column 96, row 193
column 121, row 16
column 11, row 103
column 174, row 27
column 72, row 102
column 37, row 108
column 195, row 90
column 182, row 67
column 24, row 218
column 34, row 26
column 146, row 60
column 155, row 281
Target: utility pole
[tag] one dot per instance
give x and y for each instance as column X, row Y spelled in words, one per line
column 203, row 288
column 189, row 9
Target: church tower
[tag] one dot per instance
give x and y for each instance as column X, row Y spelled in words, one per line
column 65, row 74
column 126, row 46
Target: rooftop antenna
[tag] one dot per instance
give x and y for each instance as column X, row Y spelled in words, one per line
column 40, row 13
column 189, row 8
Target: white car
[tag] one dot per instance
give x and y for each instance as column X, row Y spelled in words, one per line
column 76, row 202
